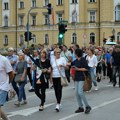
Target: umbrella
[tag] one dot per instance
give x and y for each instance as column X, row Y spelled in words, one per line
column 110, row 43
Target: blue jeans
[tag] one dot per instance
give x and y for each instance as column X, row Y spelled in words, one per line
column 22, row 94
column 80, row 93
column 3, row 96
column 92, row 72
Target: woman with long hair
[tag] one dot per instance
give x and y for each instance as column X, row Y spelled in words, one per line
column 42, row 82
column 92, row 63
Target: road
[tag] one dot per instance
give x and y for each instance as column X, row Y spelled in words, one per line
column 105, row 105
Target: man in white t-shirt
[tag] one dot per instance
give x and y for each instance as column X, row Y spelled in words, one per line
column 6, row 74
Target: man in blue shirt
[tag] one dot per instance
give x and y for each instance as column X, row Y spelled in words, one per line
column 107, row 63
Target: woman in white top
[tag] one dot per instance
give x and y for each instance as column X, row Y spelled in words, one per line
column 58, row 63
column 92, row 63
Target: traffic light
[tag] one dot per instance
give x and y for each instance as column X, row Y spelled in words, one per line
column 104, row 40
column 49, row 8
column 112, row 38
column 62, row 28
column 26, row 36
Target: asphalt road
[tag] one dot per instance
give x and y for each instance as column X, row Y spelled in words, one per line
column 105, row 105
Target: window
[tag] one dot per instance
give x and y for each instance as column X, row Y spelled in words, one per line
column 34, row 38
column 46, row 2
column 60, row 2
column 92, row 16
column 92, row 1
column 6, row 7
column 117, row 13
column 46, row 39
column 118, row 38
column 92, row 38
column 21, row 4
column 74, row 38
column 33, row 3
column 6, row 21
column 33, row 20
column 74, row 1
column 46, row 19
column 59, row 17
column 21, row 20
column 5, row 40
column 21, row 41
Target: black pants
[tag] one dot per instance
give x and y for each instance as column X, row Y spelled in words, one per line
column 104, row 69
column 40, row 92
column 57, row 88
column 29, row 75
column 109, row 71
column 67, row 73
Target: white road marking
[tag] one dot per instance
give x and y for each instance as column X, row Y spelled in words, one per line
column 27, row 112
column 96, row 107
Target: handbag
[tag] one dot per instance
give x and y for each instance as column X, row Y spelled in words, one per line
column 88, row 82
column 17, row 78
column 63, row 79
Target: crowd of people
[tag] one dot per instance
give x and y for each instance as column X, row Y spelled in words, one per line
column 47, row 65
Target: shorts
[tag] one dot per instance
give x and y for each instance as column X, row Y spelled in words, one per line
column 3, row 97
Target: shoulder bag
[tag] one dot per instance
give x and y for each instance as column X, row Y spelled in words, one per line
column 88, row 82
column 63, row 79
column 17, row 78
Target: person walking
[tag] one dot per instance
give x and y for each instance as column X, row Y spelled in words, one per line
column 92, row 63
column 115, row 64
column 80, row 65
column 41, row 83
column 13, row 60
column 107, row 63
column 21, row 68
column 6, row 76
column 58, row 65
column 68, row 56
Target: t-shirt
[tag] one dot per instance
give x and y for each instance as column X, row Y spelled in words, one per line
column 82, row 63
column 108, row 56
column 20, row 68
column 55, row 71
column 66, row 55
column 5, row 68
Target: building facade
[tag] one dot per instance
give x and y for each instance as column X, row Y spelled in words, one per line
column 88, row 21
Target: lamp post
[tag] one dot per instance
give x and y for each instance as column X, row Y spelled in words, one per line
column 16, row 26
column 28, row 24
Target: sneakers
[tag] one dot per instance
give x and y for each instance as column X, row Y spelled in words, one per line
column 17, row 104
column 31, row 90
column 24, row 102
column 80, row 109
column 41, row 108
column 88, row 109
column 57, row 108
column 96, row 88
